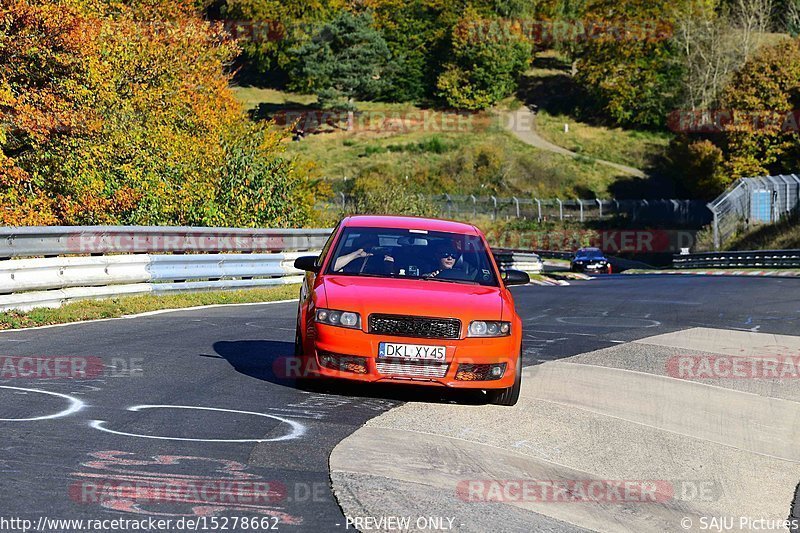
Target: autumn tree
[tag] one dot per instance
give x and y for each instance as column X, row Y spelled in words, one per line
column 763, row 136
column 628, row 66
column 120, row 113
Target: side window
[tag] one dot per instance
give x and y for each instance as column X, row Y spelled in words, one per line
column 325, row 249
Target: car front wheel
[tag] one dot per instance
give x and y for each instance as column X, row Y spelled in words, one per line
column 510, row 396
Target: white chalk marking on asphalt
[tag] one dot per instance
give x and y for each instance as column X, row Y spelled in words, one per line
column 75, row 405
column 148, row 313
column 615, row 322
column 298, row 429
column 560, row 333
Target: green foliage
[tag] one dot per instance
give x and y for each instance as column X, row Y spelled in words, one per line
column 698, row 166
column 631, row 75
column 416, row 32
column 488, row 60
column 345, row 59
column 375, row 194
column 270, row 28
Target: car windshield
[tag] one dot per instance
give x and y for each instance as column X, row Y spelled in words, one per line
column 589, row 254
column 403, row 253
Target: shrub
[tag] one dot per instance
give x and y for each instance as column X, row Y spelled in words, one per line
column 488, row 61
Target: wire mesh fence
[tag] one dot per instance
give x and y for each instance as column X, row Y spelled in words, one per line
column 684, row 213
column 753, row 201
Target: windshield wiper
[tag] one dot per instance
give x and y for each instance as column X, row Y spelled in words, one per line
column 461, row 281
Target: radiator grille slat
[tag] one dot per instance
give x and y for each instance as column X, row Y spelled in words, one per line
column 413, row 369
column 415, row 326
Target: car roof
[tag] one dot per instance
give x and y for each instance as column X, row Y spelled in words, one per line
column 405, row 222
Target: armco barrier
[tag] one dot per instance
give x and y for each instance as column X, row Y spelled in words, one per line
column 70, row 263
column 525, row 261
column 68, row 240
column 49, row 282
column 55, row 265
column 748, row 259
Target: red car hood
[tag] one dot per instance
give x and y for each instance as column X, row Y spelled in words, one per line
column 413, row 297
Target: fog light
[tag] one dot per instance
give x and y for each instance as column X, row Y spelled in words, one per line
column 480, row 372
column 343, row 363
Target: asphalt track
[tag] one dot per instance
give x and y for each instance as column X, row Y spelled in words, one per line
column 193, row 399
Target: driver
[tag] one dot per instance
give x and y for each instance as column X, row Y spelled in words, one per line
column 447, row 257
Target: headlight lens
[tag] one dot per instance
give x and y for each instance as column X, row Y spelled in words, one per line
column 345, row 319
column 481, row 328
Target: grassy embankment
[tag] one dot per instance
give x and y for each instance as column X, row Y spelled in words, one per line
column 131, row 305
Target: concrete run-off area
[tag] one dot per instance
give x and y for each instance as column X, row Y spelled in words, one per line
column 675, row 432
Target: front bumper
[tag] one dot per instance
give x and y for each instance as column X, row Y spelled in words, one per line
column 469, row 351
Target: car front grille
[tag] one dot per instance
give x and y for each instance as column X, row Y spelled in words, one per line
column 421, row 370
column 415, row 326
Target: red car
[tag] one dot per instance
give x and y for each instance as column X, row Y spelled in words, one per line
column 410, row 300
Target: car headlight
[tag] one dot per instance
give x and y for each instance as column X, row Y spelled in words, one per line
column 344, row 319
column 482, row 328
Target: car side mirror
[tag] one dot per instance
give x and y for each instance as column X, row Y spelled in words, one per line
column 307, row 263
column 515, row 277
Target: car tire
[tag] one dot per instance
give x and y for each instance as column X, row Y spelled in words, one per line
column 510, row 396
column 298, row 342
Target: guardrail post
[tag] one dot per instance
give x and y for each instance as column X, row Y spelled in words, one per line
column 580, row 204
column 474, row 205
column 539, row 207
column 516, row 203
column 560, row 209
column 449, row 205
column 716, row 226
column 343, row 201
column 494, row 209
column 600, row 204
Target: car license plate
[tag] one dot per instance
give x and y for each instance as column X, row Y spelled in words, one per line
column 415, row 352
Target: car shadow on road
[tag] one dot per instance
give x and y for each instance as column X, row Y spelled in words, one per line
column 274, row 362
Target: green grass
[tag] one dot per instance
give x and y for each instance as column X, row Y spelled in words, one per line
column 637, row 149
column 550, row 85
column 131, row 305
column 784, row 235
column 251, row 97
column 450, row 156
column 443, row 152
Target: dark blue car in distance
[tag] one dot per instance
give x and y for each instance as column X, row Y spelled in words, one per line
column 590, row 261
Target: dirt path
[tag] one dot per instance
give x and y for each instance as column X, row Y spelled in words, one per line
column 522, row 123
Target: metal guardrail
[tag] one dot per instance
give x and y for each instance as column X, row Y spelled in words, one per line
column 71, row 263
column 29, row 283
column 525, row 261
column 749, row 259
column 55, row 241
column 56, row 265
